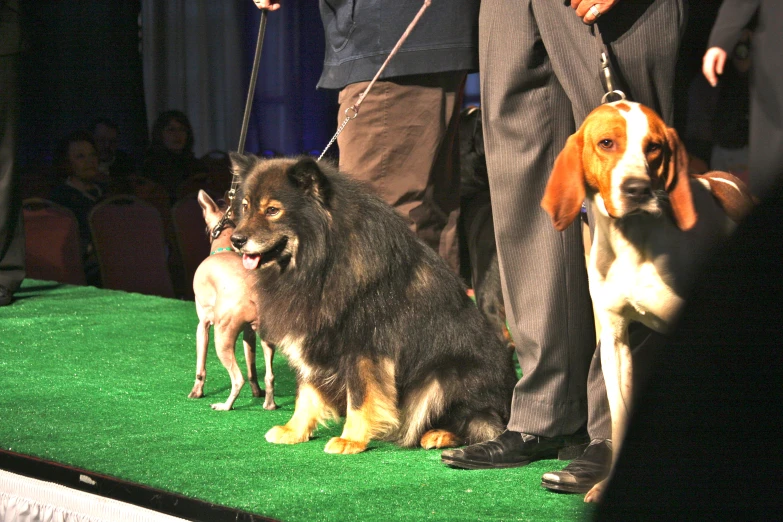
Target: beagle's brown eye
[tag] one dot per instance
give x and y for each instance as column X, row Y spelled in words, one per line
column 272, row 211
column 606, row 144
column 653, row 147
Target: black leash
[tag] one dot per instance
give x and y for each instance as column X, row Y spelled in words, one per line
column 226, row 221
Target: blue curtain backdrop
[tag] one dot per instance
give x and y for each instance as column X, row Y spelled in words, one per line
column 289, row 115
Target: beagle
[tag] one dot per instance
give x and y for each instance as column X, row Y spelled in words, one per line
column 653, row 223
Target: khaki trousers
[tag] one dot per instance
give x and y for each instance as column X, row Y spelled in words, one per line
column 404, row 145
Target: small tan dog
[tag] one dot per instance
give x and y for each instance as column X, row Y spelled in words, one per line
column 225, row 300
column 654, row 224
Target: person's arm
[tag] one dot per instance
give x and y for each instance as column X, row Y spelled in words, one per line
column 733, row 16
column 271, row 5
column 584, row 9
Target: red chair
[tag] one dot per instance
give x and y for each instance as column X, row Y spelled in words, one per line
column 153, row 193
column 52, row 248
column 191, row 235
column 128, row 236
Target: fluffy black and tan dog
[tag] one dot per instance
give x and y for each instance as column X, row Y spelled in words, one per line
column 476, row 228
column 376, row 326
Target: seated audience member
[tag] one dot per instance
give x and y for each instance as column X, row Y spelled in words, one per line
column 170, row 159
column 76, row 162
column 114, row 165
column 112, row 161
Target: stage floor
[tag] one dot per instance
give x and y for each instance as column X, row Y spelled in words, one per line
column 98, row 380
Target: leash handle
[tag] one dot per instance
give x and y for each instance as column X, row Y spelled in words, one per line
column 355, row 107
column 253, row 78
column 612, row 94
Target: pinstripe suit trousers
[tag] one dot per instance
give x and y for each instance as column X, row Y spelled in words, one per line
column 540, row 77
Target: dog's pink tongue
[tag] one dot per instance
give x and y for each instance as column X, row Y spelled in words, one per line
column 250, row 261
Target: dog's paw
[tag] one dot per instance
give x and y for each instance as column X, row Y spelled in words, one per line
column 439, row 439
column 285, row 435
column 269, row 404
column 221, row 406
column 596, row 493
column 196, row 393
column 344, row 446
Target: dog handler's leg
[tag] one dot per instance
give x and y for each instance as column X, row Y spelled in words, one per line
column 617, row 370
column 269, row 376
column 249, row 344
column 226, row 334
column 202, row 340
column 376, row 412
column 310, row 409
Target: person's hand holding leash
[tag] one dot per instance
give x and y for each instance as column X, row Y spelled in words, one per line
column 712, row 64
column 271, row 5
column 591, row 10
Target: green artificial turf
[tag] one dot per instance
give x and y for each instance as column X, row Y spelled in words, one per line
column 99, row 380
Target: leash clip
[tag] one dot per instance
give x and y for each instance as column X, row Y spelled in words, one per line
column 355, row 112
column 612, row 94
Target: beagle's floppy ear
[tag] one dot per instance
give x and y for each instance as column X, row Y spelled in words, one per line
column 565, row 190
column 678, row 183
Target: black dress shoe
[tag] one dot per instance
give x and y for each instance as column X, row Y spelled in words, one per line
column 5, row 296
column 584, row 472
column 510, row 449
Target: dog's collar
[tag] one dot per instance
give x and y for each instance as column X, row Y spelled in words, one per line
column 222, row 249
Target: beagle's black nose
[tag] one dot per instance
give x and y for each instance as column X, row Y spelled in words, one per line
column 238, row 241
column 637, row 190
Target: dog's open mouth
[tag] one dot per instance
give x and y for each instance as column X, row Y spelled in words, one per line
column 253, row 261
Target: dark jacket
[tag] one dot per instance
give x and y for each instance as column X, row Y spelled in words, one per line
column 361, row 33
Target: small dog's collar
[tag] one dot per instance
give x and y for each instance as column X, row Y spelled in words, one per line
column 222, row 249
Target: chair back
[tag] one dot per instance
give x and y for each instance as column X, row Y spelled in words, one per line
column 52, row 244
column 191, row 235
column 155, row 194
column 128, row 235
